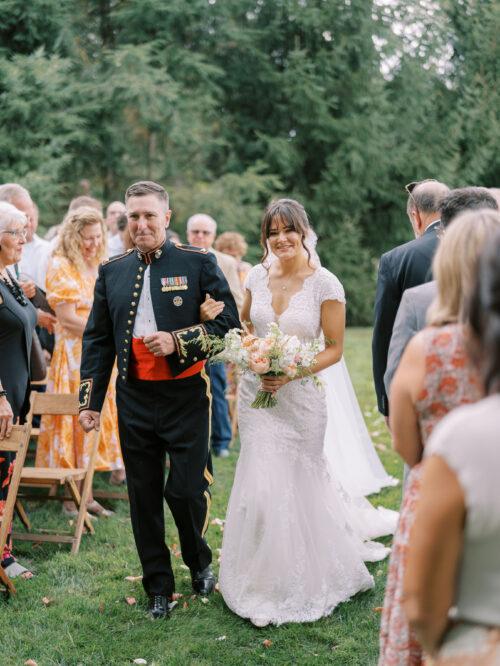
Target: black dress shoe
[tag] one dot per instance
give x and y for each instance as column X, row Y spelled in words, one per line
column 158, row 606
column 203, row 581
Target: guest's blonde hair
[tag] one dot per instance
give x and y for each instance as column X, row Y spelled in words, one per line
column 455, row 263
column 231, row 240
column 70, row 240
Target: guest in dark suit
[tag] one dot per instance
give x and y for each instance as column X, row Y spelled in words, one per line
column 411, row 316
column 146, row 314
column 403, row 267
column 17, row 322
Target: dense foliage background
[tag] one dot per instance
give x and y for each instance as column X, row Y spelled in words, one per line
column 338, row 103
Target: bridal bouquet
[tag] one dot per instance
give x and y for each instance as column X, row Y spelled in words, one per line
column 275, row 354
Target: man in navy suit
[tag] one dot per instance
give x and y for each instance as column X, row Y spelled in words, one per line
column 146, row 316
column 403, row 267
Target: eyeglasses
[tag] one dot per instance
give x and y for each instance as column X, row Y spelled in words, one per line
column 201, row 231
column 17, row 233
column 411, row 186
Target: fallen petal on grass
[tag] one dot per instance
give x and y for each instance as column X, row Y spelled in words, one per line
column 176, row 595
column 139, row 661
column 46, row 601
column 185, row 605
column 204, row 600
column 133, row 579
column 30, row 662
column 267, row 643
column 131, row 601
column 221, row 638
column 378, row 609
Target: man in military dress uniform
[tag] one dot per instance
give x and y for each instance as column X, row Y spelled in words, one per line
column 146, row 314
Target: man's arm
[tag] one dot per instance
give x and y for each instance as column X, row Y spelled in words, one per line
column 98, row 351
column 405, row 327
column 189, row 346
column 387, row 300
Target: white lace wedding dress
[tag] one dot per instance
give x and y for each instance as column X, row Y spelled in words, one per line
column 294, row 541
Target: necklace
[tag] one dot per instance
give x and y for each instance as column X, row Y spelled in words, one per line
column 14, row 288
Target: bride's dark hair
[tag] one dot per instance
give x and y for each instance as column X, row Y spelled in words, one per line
column 484, row 316
column 293, row 215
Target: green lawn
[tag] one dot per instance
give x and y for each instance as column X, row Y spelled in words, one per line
column 88, row 621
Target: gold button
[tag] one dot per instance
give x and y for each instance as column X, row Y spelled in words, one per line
column 195, row 359
column 182, row 360
column 129, row 322
column 138, row 277
column 141, row 268
column 137, row 285
column 133, row 303
column 126, row 342
column 131, row 312
column 127, row 331
column 136, row 293
column 123, row 377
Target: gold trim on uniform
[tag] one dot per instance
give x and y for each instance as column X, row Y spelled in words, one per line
column 84, row 393
column 180, row 334
column 190, row 248
column 118, row 256
column 207, row 517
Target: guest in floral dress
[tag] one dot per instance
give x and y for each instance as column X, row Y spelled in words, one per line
column 434, row 377
column 70, row 288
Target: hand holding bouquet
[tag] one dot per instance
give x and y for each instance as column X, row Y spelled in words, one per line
column 276, row 354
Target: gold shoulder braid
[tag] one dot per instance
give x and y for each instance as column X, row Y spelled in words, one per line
column 118, row 256
column 191, row 248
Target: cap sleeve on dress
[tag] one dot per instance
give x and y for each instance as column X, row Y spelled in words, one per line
column 329, row 287
column 253, row 276
column 461, row 442
column 62, row 287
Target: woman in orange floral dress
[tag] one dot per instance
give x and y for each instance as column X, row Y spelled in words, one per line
column 435, row 375
column 71, row 276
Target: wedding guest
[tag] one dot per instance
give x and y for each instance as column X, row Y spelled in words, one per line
column 403, row 267
column 201, row 230
column 233, row 243
column 123, row 231
column 415, row 302
column 17, row 323
column 114, row 211
column 452, row 583
column 36, row 251
column 70, row 287
column 434, row 377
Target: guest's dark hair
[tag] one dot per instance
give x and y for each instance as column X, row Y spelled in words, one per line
column 484, row 316
column 463, row 199
column 121, row 222
column 293, row 216
column 145, row 187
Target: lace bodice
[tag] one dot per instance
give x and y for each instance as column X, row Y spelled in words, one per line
column 303, row 314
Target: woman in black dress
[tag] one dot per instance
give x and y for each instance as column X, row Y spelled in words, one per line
column 18, row 318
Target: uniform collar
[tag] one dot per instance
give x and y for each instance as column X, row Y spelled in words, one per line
column 149, row 257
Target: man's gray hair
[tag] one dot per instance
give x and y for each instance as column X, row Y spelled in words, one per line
column 201, row 217
column 9, row 192
column 427, row 196
column 9, row 215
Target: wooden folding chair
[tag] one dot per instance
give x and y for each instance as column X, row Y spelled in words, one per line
column 54, row 478
column 17, row 443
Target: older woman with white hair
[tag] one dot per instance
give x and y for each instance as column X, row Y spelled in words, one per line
column 18, row 318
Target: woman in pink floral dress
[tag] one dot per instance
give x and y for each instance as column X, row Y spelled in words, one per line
column 434, row 376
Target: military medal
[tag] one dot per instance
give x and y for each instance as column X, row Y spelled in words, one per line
column 176, row 283
column 178, row 300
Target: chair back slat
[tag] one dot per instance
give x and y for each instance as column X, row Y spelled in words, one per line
column 53, row 403
column 18, row 442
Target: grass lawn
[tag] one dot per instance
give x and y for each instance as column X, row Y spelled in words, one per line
column 88, row 621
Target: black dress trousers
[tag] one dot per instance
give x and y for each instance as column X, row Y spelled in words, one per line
column 155, row 418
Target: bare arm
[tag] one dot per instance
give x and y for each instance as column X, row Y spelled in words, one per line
column 69, row 320
column 245, row 311
column 434, row 553
column 406, row 385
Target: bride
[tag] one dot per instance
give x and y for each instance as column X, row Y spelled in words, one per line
column 294, row 541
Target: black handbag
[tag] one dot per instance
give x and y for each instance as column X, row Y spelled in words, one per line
column 38, row 364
